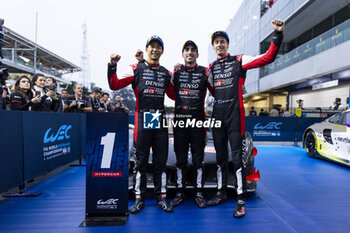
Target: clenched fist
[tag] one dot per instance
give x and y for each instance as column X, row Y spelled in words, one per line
column 114, row 58
column 278, row 25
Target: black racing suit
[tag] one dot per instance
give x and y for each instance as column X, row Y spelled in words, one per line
column 227, row 75
column 150, row 83
column 190, row 91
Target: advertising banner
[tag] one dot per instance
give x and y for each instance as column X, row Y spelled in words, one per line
column 50, row 140
column 107, row 165
column 11, row 155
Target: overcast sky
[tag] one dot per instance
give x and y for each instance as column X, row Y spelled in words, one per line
column 121, row 26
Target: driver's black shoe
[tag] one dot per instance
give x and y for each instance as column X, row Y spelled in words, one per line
column 164, row 205
column 201, row 203
column 178, row 199
column 240, row 209
column 137, row 207
column 220, row 197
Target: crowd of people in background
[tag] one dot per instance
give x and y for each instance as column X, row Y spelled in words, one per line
column 277, row 111
column 40, row 94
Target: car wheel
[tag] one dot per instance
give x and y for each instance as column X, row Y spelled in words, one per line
column 310, row 144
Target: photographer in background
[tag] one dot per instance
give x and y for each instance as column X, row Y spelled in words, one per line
column 78, row 103
column 119, row 106
column 94, row 100
column 106, row 102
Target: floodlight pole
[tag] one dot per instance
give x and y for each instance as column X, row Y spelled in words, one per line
column 36, row 40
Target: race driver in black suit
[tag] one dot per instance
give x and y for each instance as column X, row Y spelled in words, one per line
column 227, row 76
column 150, row 82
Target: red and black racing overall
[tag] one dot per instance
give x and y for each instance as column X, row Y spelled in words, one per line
column 227, row 76
column 150, row 83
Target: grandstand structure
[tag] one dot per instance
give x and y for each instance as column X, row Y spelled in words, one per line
column 22, row 55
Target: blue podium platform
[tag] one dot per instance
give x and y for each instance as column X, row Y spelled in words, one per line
column 295, row 194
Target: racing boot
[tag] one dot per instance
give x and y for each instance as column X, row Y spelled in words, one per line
column 220, row 197
column 178, row 199
column 162, row 203
column 138, row 206
column 240, row 209
column 201, row 203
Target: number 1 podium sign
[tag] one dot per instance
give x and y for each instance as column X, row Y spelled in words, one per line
column 107, row 149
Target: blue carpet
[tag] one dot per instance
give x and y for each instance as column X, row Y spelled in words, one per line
column 295, row 194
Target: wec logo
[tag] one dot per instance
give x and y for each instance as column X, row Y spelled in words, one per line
column 270, row 125
column 108, row 202
column 61, row 134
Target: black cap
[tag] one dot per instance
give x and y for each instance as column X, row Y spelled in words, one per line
column 219, row 33
column 189, row 42
column 155, row 38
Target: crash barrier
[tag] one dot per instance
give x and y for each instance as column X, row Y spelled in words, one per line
column 107, row 152
column 282, row 129
column 34, row 143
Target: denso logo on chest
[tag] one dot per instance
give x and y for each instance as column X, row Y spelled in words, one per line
column 189, row 85
column 154, row 84
column 221, row 76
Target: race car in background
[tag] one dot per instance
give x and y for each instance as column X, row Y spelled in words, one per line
column 330, row 139
column 210, row 167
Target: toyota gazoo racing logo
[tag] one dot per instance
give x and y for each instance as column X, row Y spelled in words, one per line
column 61, row 134
column 270, row 125
column 184, row 92
column 110, row 201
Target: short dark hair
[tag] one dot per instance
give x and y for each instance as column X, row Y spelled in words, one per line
column 105, row 94
column 96, row 90
column 76, row 84
column 53, row 80
column 64, row 90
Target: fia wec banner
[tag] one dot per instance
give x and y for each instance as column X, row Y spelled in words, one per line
column 107, row 164
column 50, row 140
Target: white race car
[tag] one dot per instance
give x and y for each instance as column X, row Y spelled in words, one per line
column 330, row 139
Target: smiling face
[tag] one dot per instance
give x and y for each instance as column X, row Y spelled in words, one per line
column 220, row 45
column 40, row 82
column 154, row 50
column 190, row 55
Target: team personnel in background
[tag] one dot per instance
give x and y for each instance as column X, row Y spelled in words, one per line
column 190, row 83
column 227, row 75
column 252, row 111
column 64, row 95
column 150, row 82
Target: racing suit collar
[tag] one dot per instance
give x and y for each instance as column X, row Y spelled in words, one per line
column 191, row 68
column 152, row 64
column 222, row 58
